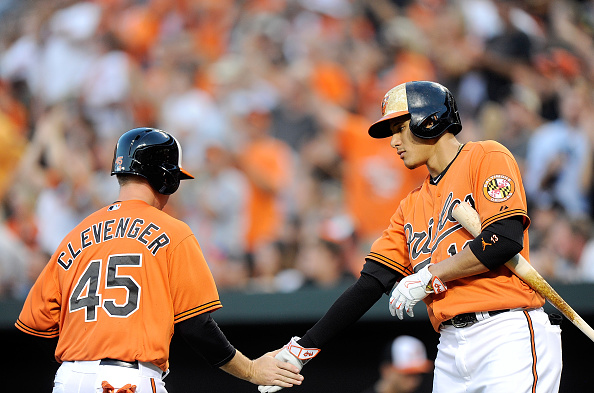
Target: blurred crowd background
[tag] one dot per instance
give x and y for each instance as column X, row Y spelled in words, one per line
column 271, row 101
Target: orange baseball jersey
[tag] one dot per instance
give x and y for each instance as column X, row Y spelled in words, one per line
column 486, row 175
column 117, row 284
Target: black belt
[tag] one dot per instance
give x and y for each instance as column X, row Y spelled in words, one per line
column 120, row 363
column 468, row 319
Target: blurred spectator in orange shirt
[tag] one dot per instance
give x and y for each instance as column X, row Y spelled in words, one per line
column 267, row 163
column 373, row 179
column 12, row 136
column 138, row 26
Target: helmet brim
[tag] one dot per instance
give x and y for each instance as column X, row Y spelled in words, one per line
column 185, row 174
column 381, row 128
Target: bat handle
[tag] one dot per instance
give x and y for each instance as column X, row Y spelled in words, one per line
column 526, row 272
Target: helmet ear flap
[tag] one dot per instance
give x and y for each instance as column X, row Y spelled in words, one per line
column 433, row 110
column 164, row 180
column 170, row 179
column 429, row 122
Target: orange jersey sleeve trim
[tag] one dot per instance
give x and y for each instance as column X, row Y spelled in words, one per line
column 39, row 333
column 405, row 270
column 210, row 306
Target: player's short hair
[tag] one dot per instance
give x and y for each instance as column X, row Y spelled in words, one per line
column 126, row 178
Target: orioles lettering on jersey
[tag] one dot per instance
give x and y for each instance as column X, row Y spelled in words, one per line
column 107, row 230
column 426, row 241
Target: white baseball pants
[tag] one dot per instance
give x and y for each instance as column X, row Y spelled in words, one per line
column 87, row 376
column 517, row 351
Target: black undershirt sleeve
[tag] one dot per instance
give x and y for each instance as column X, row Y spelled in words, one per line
column 204, row 336
column 375, row 280
column 386, row 276
column 44, row 347
column 499, row 242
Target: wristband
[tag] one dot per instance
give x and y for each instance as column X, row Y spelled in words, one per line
column 300, row 352
column 436, row 285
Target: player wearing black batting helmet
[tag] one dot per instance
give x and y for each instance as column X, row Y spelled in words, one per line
column 430, row 107
column 108, row 343
column 425, row 250
column 153, row 154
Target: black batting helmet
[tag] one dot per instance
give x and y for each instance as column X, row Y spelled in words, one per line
column 430, row 107
column 153, row 154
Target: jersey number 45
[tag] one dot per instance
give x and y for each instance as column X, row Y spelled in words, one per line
column 86, row 293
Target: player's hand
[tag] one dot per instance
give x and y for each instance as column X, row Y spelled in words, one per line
column 270, row 369
column 294, row 354
column 411, row 289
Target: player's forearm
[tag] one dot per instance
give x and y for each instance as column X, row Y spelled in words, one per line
column 463, row 264
column 240, row 366
column 493, row 247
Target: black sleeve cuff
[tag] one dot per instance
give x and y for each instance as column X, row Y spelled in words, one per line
column 499, row 242
column 382, row 273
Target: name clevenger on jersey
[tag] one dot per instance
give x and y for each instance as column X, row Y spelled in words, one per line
column 147, row 234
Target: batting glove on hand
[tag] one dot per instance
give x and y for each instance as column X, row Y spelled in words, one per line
column 296, row 355
column 413, row 288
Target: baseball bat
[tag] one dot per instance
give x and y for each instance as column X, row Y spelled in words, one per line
column 470, row 220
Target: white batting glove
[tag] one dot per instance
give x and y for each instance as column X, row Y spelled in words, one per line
column 411, row 289
column 296, row 355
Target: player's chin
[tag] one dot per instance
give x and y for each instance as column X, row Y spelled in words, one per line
column 410, row 164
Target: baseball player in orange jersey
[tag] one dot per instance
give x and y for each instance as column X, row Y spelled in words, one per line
column 119, row 282
column 494, row 335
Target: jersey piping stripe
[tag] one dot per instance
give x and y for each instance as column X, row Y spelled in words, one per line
column 406, row 270
column 507, row 213
column 198, row 310
column 533, row 349
column 39, row 333
column 153, row 386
